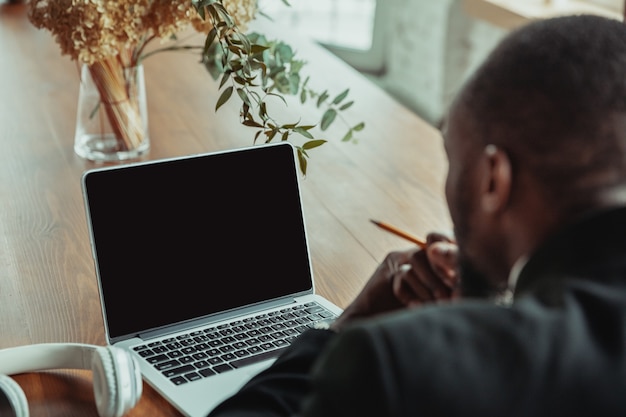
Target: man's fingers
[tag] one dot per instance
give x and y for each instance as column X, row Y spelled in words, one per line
column 407, row 289
column 423, row 274
column 443, row 259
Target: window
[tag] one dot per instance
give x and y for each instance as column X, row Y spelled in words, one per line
column 352, row 29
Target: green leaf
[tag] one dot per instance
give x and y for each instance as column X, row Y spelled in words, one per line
column 359, row 127
column 236, row 65
column 322, row 98
column 234, row 49
column 278, row 96
column 245, row 42
column 313, row 144
column 240, row 80
column 296, row 66
column 263, row 111
column 200, row 11
column 340, row 97
column 347, row 105
column 328, row 118
column 213, row 12
column 243, row 96
column 226, row 17
column 209, row 40
column 302, row 161
column 282, row 83
column 303, row 132
column 270, row 134
column 251, row 123
column 284, row 52
column 224, row 97
column 256, row 49
column 225, row 78
column 294, row 82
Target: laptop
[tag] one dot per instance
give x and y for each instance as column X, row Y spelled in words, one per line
column 203, row 267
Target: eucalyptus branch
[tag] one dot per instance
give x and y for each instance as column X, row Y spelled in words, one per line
column 257, row 69
column 334, row 109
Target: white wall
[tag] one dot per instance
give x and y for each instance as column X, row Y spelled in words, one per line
column 433, row 46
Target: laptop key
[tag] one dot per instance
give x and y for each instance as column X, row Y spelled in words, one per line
column 201, row 364
column 189, row 357
column 158, row 358
column 241, row 353
column 213, row 352
column 145, row 353
column 167, row 365
column 207, row 372
column 179, row 380
column 188, row 350
column 254, row 349
column 222, row 368
column 248, row 360
column 193, row 376
column 177, row 371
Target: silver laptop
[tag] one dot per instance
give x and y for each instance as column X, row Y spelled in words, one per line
column 203, row 267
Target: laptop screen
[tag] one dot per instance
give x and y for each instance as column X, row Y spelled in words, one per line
column 181, row 239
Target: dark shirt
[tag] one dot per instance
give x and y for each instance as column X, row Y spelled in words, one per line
column 558, row 350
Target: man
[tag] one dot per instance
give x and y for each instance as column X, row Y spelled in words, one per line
column 536, row 187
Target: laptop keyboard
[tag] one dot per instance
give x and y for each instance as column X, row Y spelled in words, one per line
column 203, row 353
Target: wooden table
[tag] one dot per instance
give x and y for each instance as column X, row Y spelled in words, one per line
column 48, row 290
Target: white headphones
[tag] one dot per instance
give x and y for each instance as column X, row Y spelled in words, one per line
column 117, row 379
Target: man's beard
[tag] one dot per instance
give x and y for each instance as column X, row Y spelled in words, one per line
column 474, row 284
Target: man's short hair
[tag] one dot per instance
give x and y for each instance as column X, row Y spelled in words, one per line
column 553, row 95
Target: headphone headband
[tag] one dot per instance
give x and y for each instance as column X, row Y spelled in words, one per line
column 43, row 356
column 117, row 379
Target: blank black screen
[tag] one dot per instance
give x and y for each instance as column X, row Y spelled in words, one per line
column 181, row 239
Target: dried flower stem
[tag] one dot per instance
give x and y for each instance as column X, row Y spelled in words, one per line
column 118, row 93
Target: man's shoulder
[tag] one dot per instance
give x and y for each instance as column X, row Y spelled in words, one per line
column 467, row 349
column 476, row 328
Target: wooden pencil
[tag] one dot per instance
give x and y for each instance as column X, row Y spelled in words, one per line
column 401, row 233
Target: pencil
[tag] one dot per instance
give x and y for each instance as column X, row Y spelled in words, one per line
column 401, row 233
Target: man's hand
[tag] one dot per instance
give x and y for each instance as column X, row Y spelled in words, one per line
column 407, row 278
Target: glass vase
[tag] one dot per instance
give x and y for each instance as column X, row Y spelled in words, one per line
column 112, row 115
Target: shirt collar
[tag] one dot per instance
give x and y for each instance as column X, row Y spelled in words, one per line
column 506, row 298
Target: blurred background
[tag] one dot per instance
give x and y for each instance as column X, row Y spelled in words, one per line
column 420, row 51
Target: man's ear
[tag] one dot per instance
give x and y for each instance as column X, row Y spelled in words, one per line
column 497, row 180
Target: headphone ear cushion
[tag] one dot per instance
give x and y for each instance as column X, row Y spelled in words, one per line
column 117, row 381
column 14, row 395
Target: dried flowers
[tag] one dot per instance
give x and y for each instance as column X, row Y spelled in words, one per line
column 110, row 37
